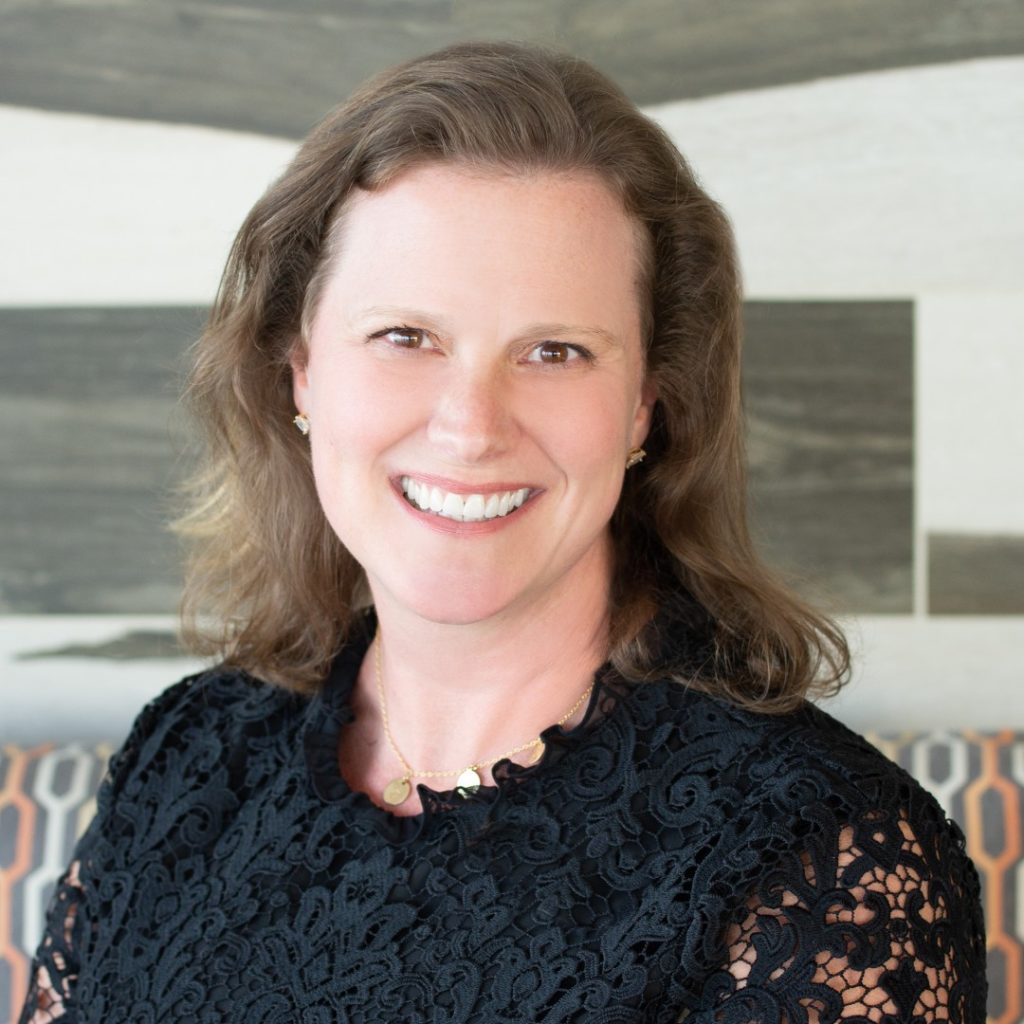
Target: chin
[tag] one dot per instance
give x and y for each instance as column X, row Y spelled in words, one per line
column 456, row 602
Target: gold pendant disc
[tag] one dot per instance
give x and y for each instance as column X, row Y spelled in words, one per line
column 469, row 781
column 397, row 791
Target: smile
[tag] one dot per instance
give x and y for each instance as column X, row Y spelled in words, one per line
column 464, row 508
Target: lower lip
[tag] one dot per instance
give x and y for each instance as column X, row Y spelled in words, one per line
column 453, row 527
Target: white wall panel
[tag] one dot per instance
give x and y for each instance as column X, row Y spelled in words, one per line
column 101, row 211
column 877, row 185
column 909, row 673
column 883, row 184
column 47, row 695
column 934, row 673
column 970, row 409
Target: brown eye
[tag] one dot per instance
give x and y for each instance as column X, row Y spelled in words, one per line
column 405, row 337
column 412, row 339
column 555, row 352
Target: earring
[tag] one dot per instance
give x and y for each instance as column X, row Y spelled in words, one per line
column 302, row 422
column 635, row 455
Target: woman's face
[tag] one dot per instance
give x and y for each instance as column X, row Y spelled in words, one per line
column 474, row 381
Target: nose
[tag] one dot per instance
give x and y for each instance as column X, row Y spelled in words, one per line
column 472, row 418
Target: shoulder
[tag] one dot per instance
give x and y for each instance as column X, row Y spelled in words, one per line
column 195, row 719
column 833, row 838
column 813, row 746
column 785, row 781
column 792, row 755
column 214, row 699
column 799, row 811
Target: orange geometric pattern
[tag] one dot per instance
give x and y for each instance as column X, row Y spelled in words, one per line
column 17, row 819
column 996, row 796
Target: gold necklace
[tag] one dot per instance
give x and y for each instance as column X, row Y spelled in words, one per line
column 468, row 782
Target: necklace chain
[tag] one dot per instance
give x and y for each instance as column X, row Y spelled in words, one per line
column 398, row 790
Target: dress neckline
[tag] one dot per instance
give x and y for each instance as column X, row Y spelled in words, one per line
column 330, row 710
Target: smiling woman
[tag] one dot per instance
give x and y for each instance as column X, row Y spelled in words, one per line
column 505, row 549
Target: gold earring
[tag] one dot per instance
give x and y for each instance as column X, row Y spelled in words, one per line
column 635, row 455
column 302, row 422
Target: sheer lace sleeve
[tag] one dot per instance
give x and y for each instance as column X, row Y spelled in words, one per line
column 71, row 915
column 55, row 968
column 875, row 921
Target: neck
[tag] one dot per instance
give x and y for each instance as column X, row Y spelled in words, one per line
column 457, row 694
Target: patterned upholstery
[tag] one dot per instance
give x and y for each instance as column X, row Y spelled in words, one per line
column 46, row 800
column 979, row 779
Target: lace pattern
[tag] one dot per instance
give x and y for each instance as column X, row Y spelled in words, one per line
column 671, row 859
column 889, row 952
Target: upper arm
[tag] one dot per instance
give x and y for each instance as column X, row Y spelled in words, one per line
column 55, row 967
column 876, row 921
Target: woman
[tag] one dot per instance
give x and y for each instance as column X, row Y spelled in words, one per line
column 510, row 723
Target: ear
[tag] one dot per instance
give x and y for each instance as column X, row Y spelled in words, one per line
column 299, row 360
column 644, row 412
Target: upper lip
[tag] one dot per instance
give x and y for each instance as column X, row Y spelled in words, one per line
column 458, row 487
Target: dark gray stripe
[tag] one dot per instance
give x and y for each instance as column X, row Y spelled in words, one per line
column 971, row 575
column 131, row 645
column 829, row 395
column 277, row 68
column 90, row 427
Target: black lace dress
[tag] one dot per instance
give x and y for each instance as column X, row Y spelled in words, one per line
column 669, row 859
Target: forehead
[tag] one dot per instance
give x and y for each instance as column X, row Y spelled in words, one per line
column 446, row 232
column 449, row 189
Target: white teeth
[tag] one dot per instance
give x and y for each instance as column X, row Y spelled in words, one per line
column 452, row 507
column 470, row 508
column 473, row 508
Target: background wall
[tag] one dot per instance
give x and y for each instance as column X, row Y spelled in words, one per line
column 871, row 160
column 869, row 154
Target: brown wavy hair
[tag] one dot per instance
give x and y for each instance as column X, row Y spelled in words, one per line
column 271, row 589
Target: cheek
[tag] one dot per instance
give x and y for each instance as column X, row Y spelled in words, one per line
column 348, row 430
column 595, row 423
column 355, row 412
column 588, row 438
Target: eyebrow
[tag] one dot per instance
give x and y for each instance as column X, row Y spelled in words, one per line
column 416, row 317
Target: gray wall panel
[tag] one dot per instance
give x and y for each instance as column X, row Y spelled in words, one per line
column 277, row 68
column 829, row 397
column 90, row 425
column 971, row 575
